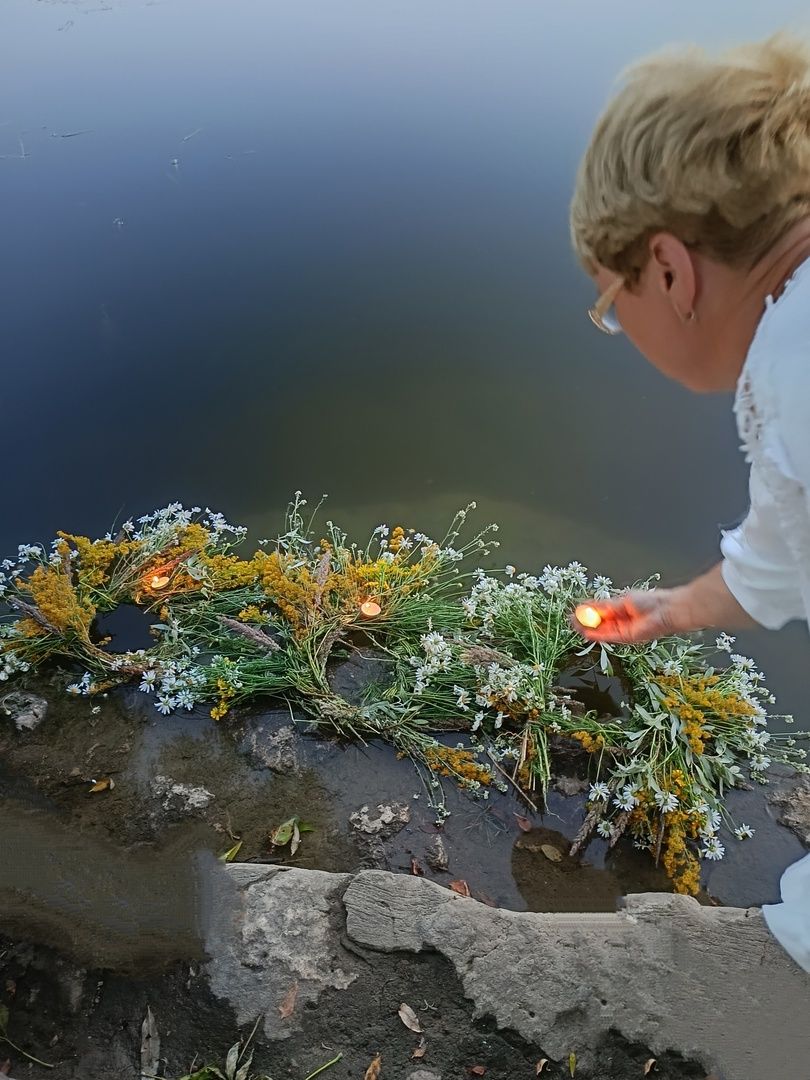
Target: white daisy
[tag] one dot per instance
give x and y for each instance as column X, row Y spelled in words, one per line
column 713, row 849
column 599, row 792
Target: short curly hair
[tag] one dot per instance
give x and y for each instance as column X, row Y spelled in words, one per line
column 713, row 150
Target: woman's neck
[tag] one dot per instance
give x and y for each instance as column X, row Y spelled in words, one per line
column 773, row 271
column 741, row 299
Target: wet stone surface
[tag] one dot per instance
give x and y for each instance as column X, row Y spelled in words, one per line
column 236, row 780
column 186, row 787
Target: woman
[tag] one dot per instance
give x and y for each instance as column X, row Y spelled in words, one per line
column 692, row 215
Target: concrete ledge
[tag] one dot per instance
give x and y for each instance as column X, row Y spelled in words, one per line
column 708, row 982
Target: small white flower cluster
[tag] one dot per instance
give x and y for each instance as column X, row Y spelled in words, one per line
column 11, row 664
column 84, row 686
column 11, row 569
column 712, row 847
column 176, row 683
column 570, row 579
column 161, row 527
column 437, row 657
column 489, row 597
column 508, row 684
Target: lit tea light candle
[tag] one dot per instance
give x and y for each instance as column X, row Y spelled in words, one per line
column 588, row 616
column 370, row 609
column 158, row 581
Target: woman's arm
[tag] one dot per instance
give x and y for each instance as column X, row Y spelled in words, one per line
column 755, row 584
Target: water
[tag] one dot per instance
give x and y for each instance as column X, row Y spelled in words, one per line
column 325, row 247
column 255, row 247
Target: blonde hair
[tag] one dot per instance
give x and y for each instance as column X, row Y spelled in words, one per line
column 713, row 150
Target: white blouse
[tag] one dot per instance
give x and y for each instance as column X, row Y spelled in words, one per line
column 766, row 561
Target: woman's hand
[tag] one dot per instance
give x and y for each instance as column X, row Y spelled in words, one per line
column 640, row 615
column 647, row 614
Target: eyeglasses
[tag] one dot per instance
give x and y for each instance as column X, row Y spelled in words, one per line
column 602, row 314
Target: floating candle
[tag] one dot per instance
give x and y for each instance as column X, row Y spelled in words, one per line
column 370, row 609
column 158, row 581
column 588, row 616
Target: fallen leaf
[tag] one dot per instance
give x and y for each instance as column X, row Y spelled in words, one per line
column 373, row 1071
column 477, row 1070
column 420, row 1050
column 287, row 1007
column 409, row 1018
column 231, row 853
column 105, row 784
column 304, row 826
column 150, row 1044
column 552, row 853
column 295, row 843
column 283, row 833
column 541, row 1064
column 523, row 823
column 231, row 1061
column 416, row 869
column 461, row 887
column 648, row 1066
column 572, row 1062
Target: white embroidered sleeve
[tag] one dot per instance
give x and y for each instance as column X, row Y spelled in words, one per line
column 758, row 566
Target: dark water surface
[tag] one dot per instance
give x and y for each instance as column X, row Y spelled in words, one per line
column 253, row 246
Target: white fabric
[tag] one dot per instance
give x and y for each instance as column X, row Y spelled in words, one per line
column 766, row 561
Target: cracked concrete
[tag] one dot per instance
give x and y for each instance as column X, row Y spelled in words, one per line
column 708, row 982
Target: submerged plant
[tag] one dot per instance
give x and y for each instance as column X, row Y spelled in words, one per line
column 478, row 653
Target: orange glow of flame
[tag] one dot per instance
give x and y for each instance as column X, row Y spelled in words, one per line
column 370, row 609
column 588, row 616
column 158, row 581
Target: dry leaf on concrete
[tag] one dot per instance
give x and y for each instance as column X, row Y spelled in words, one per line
column 541, row 1064
column 523, row 822
column 373, row 1071
column 150, row 1045
column 552, row 853
column 416, row 869
column 106, row 783
column 461, row 887
column 287, row 1007
column 648, row 1066
column 409, row 1018
column 420, row 1050
column 477, row 1070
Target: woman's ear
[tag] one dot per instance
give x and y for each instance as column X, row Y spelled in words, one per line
column 672, row 270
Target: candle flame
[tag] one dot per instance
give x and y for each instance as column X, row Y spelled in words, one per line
column 369, row 609
column 158, row 581
column 588, row 616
